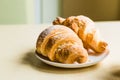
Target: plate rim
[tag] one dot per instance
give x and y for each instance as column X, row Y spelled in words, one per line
column 86, row 64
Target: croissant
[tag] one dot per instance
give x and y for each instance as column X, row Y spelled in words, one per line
column 61, row 44
column 84, row 27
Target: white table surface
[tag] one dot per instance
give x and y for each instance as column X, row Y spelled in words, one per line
column 17, row 60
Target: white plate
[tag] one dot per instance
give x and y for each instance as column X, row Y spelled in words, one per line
column 92, row 60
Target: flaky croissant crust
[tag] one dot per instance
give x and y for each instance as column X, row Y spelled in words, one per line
column 84, row 27
column 61, row 44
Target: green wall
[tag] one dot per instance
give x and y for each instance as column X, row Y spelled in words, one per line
column 12, row 12
column 24, row 11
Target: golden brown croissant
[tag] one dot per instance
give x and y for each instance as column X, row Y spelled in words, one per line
column 85, row 29
column 61, row 44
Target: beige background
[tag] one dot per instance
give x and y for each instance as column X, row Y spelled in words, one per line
column 18, row 62
column 95, row 9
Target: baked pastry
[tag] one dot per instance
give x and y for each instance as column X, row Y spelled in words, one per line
column 61, row 44
column 84, row 27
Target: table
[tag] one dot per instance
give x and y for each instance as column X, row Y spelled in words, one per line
column 17, row 60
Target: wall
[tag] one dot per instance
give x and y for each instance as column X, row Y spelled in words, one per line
column 50, row 10
column 29, row 11
column 12, row 12
column 95, row 9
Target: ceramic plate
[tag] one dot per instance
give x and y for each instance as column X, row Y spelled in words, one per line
column 92, row 60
